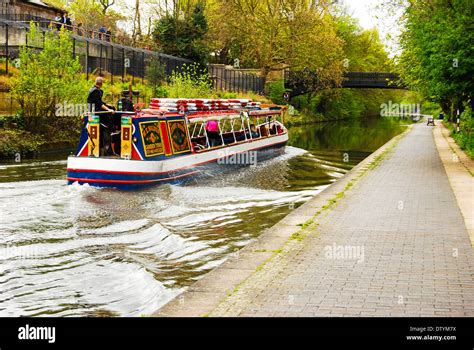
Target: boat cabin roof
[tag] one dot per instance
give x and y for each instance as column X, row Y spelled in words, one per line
column 207, row 115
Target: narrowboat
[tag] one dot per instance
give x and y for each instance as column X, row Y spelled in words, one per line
column 175, row 140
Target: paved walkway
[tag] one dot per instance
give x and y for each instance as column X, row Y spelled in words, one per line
column 396, row 245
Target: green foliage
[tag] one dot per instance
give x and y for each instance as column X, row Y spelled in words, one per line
column 19, row 141
column 183, row 36
column 91, row 16
column 190, row 83
column 275, row 92
column 47, row 78
column 16, row 121
column 155, row 74
column 438, row 51
column 363, row 49
column 276, row 34
column 465, row 137
column 226, row 94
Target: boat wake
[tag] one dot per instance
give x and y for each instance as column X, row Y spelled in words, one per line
column 85, row 251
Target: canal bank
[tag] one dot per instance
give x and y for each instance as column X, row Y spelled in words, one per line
column 460, row 171
column 410, row 253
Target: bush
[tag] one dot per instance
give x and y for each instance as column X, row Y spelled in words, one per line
column 465, row 136
column 19, row 141
column 47, row 78
column 155, row 74
column 16, row 121
column 191, row 83
column 275, row 92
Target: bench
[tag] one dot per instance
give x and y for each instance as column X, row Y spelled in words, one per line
column 430, row 121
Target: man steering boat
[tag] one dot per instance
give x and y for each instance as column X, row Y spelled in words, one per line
column 108, row 121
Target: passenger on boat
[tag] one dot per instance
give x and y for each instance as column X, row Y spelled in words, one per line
column 253, row 131
column 125, row 104
column 264, row 130
column 212, row 130
column 105, row 112
column 271, row 126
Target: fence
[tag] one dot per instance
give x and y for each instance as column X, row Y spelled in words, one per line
column 103, row 55
column 235, row 80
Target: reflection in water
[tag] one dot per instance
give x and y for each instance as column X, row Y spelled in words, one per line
column 79, row 250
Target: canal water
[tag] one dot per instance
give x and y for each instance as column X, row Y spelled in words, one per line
column 82, row 251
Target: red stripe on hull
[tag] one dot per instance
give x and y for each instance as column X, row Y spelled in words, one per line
column 164, row 172
column 73, row 179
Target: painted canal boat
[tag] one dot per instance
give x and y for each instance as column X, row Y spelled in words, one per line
column 172, row 142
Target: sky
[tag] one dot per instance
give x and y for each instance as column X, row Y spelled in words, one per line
column 364, row 11
column 370, row 14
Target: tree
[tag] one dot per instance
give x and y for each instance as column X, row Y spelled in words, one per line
column 56, row 3
column 137, row 28
column 277, row 34
column 363, row 49
column 48, row 78
column 182, row 32
column 91, row 15
column 438, row 54
column 105, row 5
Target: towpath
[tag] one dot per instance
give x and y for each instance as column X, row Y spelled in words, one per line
column 387, row 240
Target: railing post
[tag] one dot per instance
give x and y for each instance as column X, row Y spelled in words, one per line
column 143, row 68
column 87, row 60
column 239, row 81
column 106, row 65
column 222, row 73
column 233, row 80
column 123, row 65
column 6, row 49
column 112, row 64
column 134, row 66
column 100, row 60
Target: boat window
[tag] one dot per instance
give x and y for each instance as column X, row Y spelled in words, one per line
column 232, row 129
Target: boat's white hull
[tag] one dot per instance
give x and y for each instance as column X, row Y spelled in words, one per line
column 126, row 174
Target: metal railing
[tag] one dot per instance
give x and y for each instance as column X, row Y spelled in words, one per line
column 47, row 23
column 235, row 80
column 95, row 55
